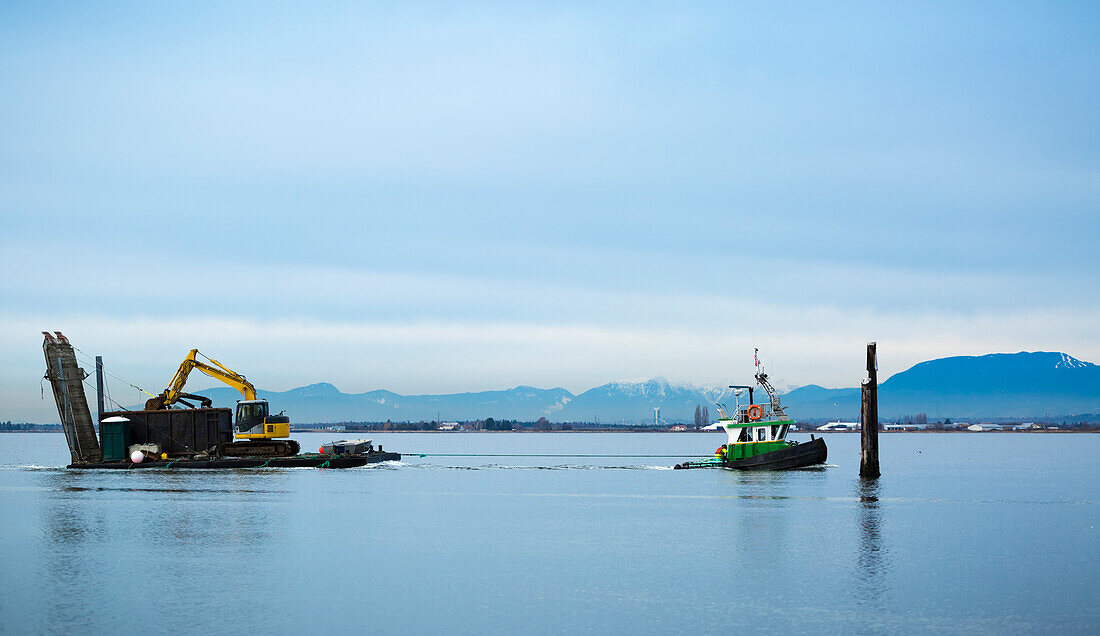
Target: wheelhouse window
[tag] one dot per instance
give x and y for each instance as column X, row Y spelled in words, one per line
column 745, row 435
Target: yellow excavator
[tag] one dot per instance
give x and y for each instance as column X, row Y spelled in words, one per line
column 258, row 432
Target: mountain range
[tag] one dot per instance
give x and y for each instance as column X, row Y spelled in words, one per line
column 999, row 385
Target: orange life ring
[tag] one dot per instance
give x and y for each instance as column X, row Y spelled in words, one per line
column 756, row 412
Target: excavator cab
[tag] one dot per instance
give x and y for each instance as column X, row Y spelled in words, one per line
column 253, row 421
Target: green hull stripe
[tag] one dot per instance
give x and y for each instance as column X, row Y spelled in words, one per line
column 745, row 451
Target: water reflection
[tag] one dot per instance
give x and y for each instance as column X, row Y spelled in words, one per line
column 873, row 557
column 755, row 522
column 105, row 539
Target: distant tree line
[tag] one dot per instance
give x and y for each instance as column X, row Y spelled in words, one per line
column 488, row 424
column 542, row 424
column 27, row 426
column 493, row 425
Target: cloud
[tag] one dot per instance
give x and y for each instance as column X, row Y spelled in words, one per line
column 427, row 198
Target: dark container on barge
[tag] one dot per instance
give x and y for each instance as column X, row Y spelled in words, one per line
column 190, row 439
column 178, row 432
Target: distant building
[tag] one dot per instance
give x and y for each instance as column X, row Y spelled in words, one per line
column 984, row 426
column 905, row 427
column 679, row 427
column 450, row 426
column 338, row 428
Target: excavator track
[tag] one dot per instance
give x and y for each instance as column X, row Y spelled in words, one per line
column 259, row 448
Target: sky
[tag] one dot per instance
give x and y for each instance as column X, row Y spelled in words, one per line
column 431, row 197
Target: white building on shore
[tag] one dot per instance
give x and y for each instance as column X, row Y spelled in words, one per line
column 981, row 428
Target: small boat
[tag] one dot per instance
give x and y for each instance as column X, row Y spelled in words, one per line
column 758, row 435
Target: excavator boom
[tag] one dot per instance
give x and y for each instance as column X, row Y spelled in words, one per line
column 256, row 431
column 174, row 392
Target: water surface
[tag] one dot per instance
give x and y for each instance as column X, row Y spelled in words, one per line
column 974, row 533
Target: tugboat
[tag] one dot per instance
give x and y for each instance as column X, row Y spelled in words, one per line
column 758, row 435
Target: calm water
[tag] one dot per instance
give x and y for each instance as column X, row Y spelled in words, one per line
column 974, row 533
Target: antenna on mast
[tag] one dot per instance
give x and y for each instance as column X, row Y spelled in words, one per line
column 762, row 380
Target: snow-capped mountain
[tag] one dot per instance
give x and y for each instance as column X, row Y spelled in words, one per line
column 636, row 401
column 1025, row 384
column 613, row 402
column 995, row 385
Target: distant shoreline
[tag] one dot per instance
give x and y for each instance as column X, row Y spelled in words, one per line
column 665, row 430
column 628, row 430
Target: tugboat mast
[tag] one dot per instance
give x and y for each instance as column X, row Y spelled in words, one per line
column 762, row 380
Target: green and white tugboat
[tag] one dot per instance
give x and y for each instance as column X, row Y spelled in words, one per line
column 758, row 435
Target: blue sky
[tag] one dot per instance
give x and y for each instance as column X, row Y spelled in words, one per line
column 429, row 198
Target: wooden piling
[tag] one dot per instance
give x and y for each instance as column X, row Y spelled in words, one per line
column 868, row 456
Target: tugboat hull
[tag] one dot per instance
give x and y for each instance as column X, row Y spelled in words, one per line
column 797, row 456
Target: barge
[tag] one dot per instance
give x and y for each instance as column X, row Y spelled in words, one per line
column 183, row 438
column 757, row 435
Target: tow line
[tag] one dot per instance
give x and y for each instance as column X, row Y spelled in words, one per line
column 542, row 455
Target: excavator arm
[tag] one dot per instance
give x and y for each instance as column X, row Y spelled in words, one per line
column 216, row 370
column 255, row 432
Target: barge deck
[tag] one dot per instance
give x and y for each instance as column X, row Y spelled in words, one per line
column 310, row 460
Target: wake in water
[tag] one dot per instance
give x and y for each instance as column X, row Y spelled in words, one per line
column 389, row 465
column 31, row 467
column 400, row 464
